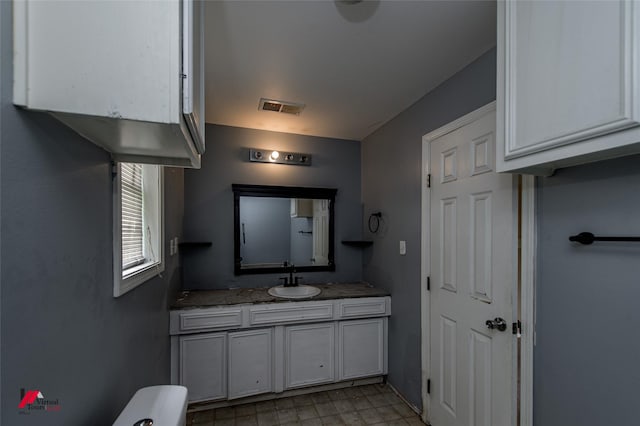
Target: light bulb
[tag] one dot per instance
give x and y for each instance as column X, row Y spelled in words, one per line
column 275, row 155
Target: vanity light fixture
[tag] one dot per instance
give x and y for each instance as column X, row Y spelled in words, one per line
column 279, row 157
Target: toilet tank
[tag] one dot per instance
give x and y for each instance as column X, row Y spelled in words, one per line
column 164, row 405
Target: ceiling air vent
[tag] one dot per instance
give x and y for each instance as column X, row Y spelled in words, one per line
column 280, row 106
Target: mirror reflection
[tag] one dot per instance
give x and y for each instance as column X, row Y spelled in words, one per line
column 276, row 230
column 277, row 226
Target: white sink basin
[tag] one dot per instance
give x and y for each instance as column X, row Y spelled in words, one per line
column 295, row 292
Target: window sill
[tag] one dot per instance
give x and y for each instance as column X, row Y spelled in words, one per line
column 135, row 276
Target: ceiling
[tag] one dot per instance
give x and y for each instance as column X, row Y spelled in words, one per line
column 355, row 65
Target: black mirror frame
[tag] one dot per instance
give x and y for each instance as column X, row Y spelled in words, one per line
column 240, row 190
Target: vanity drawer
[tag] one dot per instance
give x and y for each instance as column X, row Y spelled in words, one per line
column 364, row 307
column 210, row 319
column 290, row 312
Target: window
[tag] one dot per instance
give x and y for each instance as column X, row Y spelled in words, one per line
column 139, row 225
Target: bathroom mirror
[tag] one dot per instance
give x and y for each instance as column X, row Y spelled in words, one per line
column 278, row 224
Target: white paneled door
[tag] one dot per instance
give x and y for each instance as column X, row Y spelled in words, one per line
column 320, row 232
column 471, row 277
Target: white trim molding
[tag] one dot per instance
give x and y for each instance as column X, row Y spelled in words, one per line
column 527, row 297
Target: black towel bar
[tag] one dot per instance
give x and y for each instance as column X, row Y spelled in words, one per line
column 588, row 238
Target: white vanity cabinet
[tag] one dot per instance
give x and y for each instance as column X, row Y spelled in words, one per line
column 128, row 76
column 203, row 365
column 236, row 351
column 568, row 83
column 250, row 362
column 309, row 354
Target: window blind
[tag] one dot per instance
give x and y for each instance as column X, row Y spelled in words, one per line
column 132, row 215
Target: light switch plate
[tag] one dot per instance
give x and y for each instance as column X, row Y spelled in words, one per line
column 403, row 248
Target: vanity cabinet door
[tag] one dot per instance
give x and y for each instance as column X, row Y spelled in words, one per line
column 309, row 354
column 250, row 362
column 203, row 366
column 362, row 348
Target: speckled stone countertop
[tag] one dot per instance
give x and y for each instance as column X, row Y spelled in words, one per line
column 207, row 298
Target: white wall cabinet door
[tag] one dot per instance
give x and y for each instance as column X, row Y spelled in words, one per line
column 250, row 362
column 128, row 76
column 309, row 354
column 362, row 348
column 568, row 83
column 193, row 70
column 203, row 366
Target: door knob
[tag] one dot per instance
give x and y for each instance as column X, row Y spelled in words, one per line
column 497, row 324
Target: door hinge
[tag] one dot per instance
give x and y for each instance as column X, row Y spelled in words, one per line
column 428, row 283
column 429, row 386
column 516, row 329
column 429, row 180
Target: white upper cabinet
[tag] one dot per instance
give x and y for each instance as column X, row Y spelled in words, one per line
column 301, row 207
column 568, row 83
column 127, row 75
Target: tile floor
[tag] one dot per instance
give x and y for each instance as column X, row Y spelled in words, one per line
column 361, row 405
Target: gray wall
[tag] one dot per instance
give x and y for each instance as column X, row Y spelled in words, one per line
column 586, row 368
column 62, row 332
column 391, row 164
column 209, row 201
